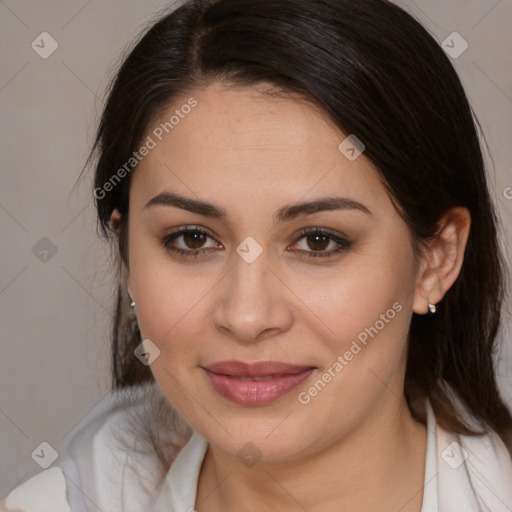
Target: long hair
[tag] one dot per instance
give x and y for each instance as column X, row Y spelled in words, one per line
column 378, row 74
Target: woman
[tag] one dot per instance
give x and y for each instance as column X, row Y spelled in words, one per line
column 309, row 273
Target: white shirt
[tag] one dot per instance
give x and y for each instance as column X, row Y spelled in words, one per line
column 462, row 473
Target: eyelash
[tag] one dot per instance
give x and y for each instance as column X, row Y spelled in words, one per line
column 343, row 243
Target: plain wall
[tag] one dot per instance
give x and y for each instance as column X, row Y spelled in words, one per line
column 54, row 314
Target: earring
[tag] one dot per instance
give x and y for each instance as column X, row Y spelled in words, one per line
column 432, row 307
column 132, row 304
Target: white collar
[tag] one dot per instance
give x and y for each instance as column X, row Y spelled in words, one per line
column 462, row 474
column 180, row 486
column 475, row 473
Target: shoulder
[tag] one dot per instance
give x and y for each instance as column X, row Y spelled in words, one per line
column 43, row 492
column 114, row 459
column 474, row 468
column 489, row 465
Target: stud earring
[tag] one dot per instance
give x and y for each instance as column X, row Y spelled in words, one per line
column 432, row 307
column 132, row 304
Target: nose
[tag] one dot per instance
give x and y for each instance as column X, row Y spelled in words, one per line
column 252, row 302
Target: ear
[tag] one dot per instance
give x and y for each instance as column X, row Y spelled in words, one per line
column 125, row 278
column 115, row 220
column 442, row 259
column 129, row 288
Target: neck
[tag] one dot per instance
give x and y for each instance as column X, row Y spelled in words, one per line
column 379, row 466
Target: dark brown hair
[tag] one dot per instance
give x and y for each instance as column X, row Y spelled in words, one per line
column 378, row 74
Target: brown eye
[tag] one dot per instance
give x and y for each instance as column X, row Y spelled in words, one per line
column 318, row 241
column 194, row 239
column 190, row 242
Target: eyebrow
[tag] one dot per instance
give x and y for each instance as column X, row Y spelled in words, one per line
column 285, row 214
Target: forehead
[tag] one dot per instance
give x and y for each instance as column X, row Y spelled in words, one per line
column 237, row 143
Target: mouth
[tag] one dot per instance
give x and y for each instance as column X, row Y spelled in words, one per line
column 257, row 383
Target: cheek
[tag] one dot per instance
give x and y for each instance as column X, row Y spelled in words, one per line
column 171, row 308
column 172, row 312
column 368, row 310
column 356, row 300
column 170, row 297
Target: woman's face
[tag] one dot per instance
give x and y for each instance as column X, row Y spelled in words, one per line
column 330, row 308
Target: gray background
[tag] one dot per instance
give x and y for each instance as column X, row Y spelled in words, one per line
column 54, row 314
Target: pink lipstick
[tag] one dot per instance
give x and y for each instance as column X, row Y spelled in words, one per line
column 257, row 383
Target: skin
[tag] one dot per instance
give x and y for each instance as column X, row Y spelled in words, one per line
column 251, row 154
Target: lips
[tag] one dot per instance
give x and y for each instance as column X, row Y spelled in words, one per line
column 260, row 369
column 255, row 383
